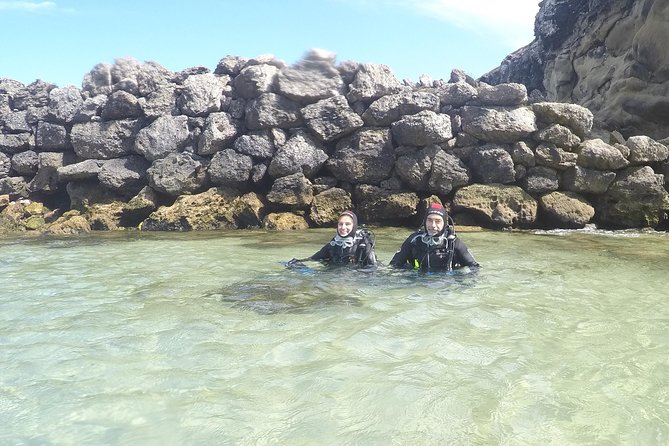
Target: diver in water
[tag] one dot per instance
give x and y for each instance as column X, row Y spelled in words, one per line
column 435, row 246
column 350, row 246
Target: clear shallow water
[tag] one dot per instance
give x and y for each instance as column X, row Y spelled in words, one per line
column 134, row 338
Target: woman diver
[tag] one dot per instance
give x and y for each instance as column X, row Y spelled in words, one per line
column 349, row 246
column 435, row 246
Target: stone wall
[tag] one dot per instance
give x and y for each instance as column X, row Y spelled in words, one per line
column 258, row 143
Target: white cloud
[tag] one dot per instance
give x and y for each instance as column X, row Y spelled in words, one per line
column 509, row 21
column 26, row 6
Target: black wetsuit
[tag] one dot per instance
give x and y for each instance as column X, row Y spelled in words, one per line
column 358, row 250
column 441, row 253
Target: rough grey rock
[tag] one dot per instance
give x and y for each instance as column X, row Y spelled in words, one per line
column 230, row 65
column 371, row 82
column 498, row 125
column 492, row 164
column 448, row 173
column 422, row 129
column 596, row 154
column 559, row 135
column 163, row 136
column 293, row 191
column 121, row 105
column 219, row 131
column 17, row 121
column 177, row 174
column 255, row 144
column 201, row 94
column 46, row 180
column 388, row 109
column 126, row 175
column 540, row 180
column 565, row 210
column 24, row 163
column 16, row 143
column 578, row 119
column 255, row 80
column 497, row 205
column 64, row 104
column 331, row 118
column 366, row 156
column 160, row 102
column 34, row 95
column 456, row 94
column 414, row 168
column 271, row 110
column 377, row 205
column 15, row 187
column 522, row 154
column 301, row 153
column 83, row 170
column 90, row 108
column 5, row 165
column 644, row 150
column 588, row 181
column 51, row 137
column 502, row 94
column 104, row 140
column 549, row 155
column 637, row 198
column 328, row 205
column 229, row 168
column 310, row 80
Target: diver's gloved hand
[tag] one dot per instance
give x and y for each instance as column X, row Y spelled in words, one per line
column 295, row 263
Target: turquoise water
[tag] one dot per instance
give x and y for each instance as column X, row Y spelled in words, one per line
column 131, row 338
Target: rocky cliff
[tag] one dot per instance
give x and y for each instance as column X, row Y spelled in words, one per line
column 258, row 143
column 610, row 56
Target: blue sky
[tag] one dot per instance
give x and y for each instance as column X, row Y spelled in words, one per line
column 60, row 41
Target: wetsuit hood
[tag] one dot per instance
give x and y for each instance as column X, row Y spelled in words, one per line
column 353, row 217
column 436, row 209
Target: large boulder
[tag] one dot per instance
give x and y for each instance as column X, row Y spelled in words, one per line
column 219, row 131
column 455, row 94
column 50, row 137
column 229, row 168
column 202, row 94
column 388, row 109
column 448, row 172
column 165, row 135
column 285, row 221
column 578, row 119
column 492, row 164
column 12, row 143
column 559, row 135
column 588, row 181
column 371, row 82
column 637, row 198
column 502, row 94
column 596, row 154
column 422, row 129
column 301, row 153
column 549, row 155
column 46, row 180
column 497, row 205
column 540, row 180
column 82, row 170
column 105, row 140
column 64, row 104
column 271, row 110
column 328, row 205
column 293, row 191
column 331, row 118
column 121, row 105
column 377, row 205
column 502, row 125
column 178, row 174
column 126, row 175
column 644, row 150
column 565, row 210
column 23, row 163
column 210, row 210
column 366, row 156
column 256, row 144
column 255, row 80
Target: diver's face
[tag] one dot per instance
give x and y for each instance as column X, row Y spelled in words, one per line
column 344, row 226
column 434, row 224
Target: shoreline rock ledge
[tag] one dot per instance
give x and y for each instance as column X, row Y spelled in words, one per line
column 258, row 143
